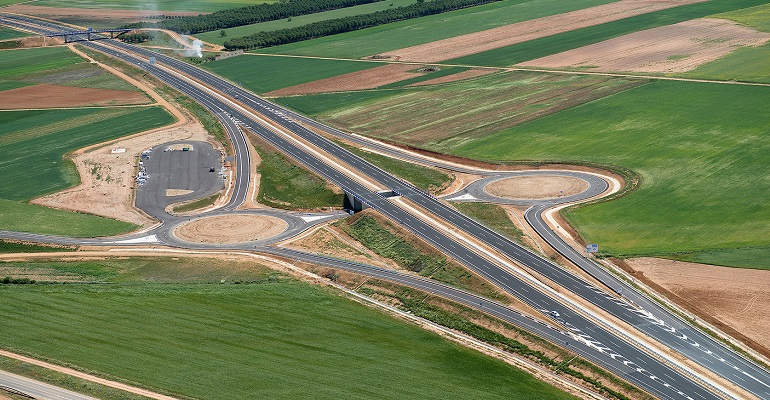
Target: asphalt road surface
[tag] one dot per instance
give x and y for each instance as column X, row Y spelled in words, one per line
column 178, row 169
column 37, row 389
column 615, row 354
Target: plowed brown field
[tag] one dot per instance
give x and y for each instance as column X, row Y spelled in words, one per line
column 100, row 13
column 674, row 48
column 359, row 80
column 490, row 39
column 48, row 96
column 737, row 298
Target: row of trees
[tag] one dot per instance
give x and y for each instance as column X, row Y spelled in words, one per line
column 140, row 37
column 249, row 15
column 347, row 24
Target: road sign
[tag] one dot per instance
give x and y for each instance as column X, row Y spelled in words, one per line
column 152, row 60
column 592, row 248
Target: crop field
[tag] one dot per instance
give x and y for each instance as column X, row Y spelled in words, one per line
column 25, row 217
column 267, row 73
column 7, row 33
column 19, row 63
column 32, row 143
column 554, row 44
column 384, row 38
column 757, row 17
column 57, row 66
column 444, row 116
column 700, row 150
column 749, row 64
column 748, row 257
column 216, row 37
column 289, row 340
column 203, row 6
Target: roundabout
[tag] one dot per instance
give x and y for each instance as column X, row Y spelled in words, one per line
column 535, row 187
column 231, row 229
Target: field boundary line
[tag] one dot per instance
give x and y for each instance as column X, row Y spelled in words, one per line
column 514, row 69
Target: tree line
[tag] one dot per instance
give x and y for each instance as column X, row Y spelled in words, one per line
column 347, row 24
column 140, row 37
column 248, row 15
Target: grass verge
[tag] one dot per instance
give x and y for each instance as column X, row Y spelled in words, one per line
column 391, row 242
column 197, row 204
column 284, row 184
column 20, row 247
column 425, row 178
column 493, row 216
column 64, row 381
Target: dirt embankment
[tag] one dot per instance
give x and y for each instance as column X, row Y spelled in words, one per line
column 507, row 35
column 673, row 48
column 736, row 300
column 536, row 187
column 231, row 229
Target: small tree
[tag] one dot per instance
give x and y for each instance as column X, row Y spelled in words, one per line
column 223, row 33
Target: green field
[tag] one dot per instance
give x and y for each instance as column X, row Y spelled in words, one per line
column 701, row 151
column 757, row 17
column 266, row 73
column 751, row 257
column 384, row 38
column 554, row 44
column 747, row 64
column 492, row 216
column 25, row 217
column 203, row 6
column 57, row 66
column 444, row 116
column 7, row 33
column 32, row 146
column 272, row 338
column 216, row 37
column 32, row 143
column 283, row 184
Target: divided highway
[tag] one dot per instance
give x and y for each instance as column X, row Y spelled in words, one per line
column 613, row 353
column 595, row 341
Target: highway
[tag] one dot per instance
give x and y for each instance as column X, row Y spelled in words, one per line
column 36, row 389
column 706, row 351
column 615, row 354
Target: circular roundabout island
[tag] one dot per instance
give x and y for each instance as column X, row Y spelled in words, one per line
column 230, row 229
column 536, row 187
